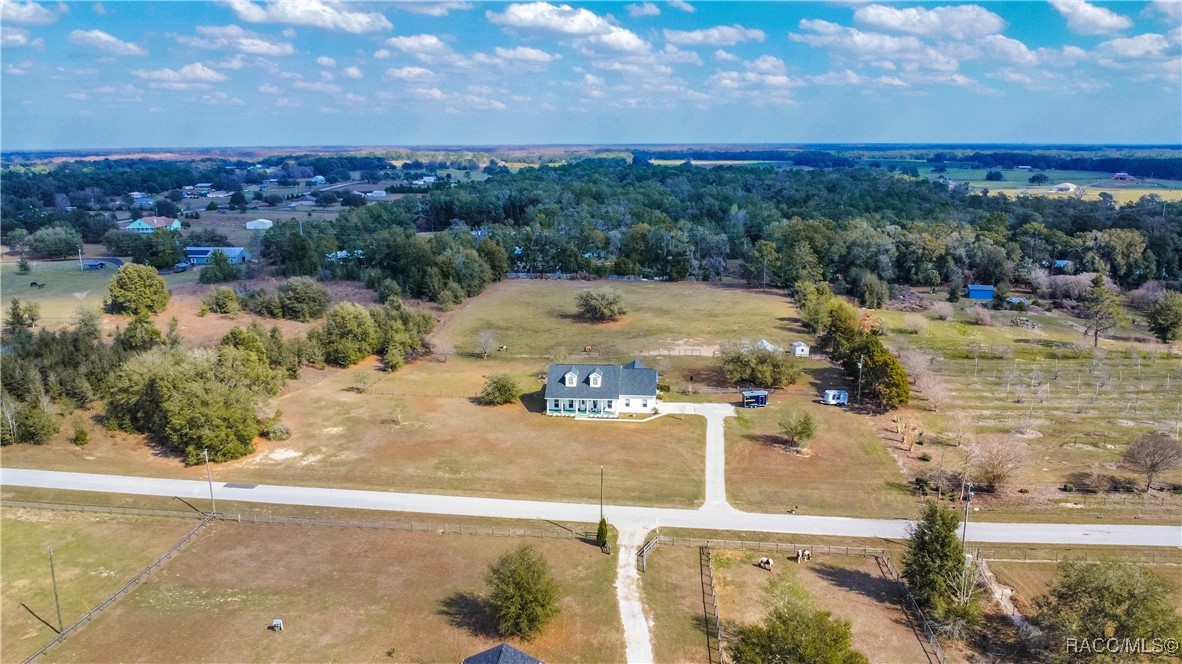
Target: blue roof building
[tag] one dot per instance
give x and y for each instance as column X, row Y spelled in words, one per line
column 980, row 292
column 201, row 255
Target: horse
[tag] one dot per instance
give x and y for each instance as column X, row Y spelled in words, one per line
column 804, row 555
column 764, row 563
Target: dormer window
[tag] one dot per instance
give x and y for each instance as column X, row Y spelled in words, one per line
column 596, row 379
column 571, row 379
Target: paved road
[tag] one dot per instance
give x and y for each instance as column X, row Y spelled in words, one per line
column 712, row 517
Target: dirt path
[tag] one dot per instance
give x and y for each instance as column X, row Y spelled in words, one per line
column 636, row 627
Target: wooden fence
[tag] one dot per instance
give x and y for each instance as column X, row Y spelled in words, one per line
column 123, row 590
column 927, row 627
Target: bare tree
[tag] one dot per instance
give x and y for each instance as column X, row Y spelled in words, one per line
column 908, row 429
column 443, row 350
column 1153, row 454
column 942, row 310
column 914, row 323
column 915, row 362
column 486, row 340
column 961, row 428
column 993, row 463
column 933, row 389
column 981, row 316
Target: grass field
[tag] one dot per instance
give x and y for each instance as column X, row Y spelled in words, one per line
column 346, row 595
column 93, row 555
column 66, row 288
column 845, row 470
column 849, row 588
column 1030, row 580
column 428, row 444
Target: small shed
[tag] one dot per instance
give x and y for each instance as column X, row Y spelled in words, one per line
column 980, row 292
column 259, row 224
column 800, row 349
column 764, row 344
column 835, row 397
column 754, row 398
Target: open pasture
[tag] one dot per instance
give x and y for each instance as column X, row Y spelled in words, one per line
column 1030, row 580
column 539, row 318
column 852, row 589
column 93, row 555
column 346, row 595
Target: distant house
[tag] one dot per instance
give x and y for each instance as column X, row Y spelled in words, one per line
column 143, row 202
column 344, row 255
column 318, row 179
column 980, row 292
column 259, row 224
column 600, row 390
column 1024, row 168
column 1123, row 176
column 502, row 654
column 1061, row 265
column 800, row 349
column 201, row 255
column 148, row 225
column 1064, row 187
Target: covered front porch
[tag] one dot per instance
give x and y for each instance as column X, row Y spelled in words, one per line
column 581, row 407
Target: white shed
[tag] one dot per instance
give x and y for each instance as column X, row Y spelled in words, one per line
column 800, row 349
column 259, row 224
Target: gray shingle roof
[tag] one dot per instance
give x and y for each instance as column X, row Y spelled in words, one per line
column 633, row 378
column 502, row 654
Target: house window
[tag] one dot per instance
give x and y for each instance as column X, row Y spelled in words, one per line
column 596, row 380
column 627, row 403
column 571, row 379
column 570, row 404
column 610, row 404
column 644, row 404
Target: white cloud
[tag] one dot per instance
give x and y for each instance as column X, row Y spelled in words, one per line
column 382, row 54
column 326, row 14
column 352, row 72
column 1087, row 19
column 720, row 35
column 325, row 61
column 326, row 76
column 409, row 74
column 1171, row 9
column 419, row 44
column 525, row 54
column 725, row 56
column 269, row 89
column 956, row 22
column 848, row 42
column 13, row 37
column 19, row 69
column 289, row 33
column 26, row 13
column 1147, row 45
column 754, row 87
column 643, row 9
column 217, row 98
column 104, row 42
column 194, row 73
column 1001, row 48
column 682, row 5
column 596, row 35
column 233, row 36
column 433, row 8
column 317, row 86
column 766, row 64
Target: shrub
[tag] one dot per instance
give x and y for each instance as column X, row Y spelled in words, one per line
column 222, row 300
column 80, row 436
column 23, row 267
column 942, row 311
column 601, row 304
column 798, row 427
column 601, row 532
column 219, row 269
column 276, row 431
column 303, row 299
column 982, row 316
column 500, row 389
column 523, row 594
column 925, row 457
column 914, row 323
column 1069, row 487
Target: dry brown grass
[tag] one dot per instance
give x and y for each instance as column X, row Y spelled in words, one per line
column 345, row 595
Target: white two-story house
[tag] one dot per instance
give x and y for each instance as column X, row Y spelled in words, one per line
column 600, row 390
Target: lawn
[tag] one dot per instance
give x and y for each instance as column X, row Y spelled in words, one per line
column 93, row 555
column 346, row 595
column 66, row 288
column 384, row 441
column 540, row 318
column 850, row 588
column 845, row 471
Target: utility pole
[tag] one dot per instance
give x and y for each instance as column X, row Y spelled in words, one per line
column 56, row 602
column 860, row 358
column 601, row 493
column 79, row 258
column 965, row 526
column 213, row 506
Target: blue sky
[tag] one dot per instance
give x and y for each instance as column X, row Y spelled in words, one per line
column 318, row 72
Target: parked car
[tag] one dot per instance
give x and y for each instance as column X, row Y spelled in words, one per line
column 180, row 267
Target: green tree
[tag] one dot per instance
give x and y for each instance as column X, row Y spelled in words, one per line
column 798, row 427
column 222, row 300
column 211, row 207
column 23, row 267
column 326, row 199
column 1101, row 309
column 601, row 304
column 1103, row 600
column 219, row 269
column 523, row 594
column 303, row 299
column 1165, row 317
column 238, row 200
column 140, row 334
column 24, row 422
column 165, row 249
column 933, row 564
column 137, row 289
column 54, row 242
column 495, row 256
column 760, row 265
column 795, row 632
column 1039, row 178
column 18, row 317
column 760, row 367
column 500, row 389
column 350, row 334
